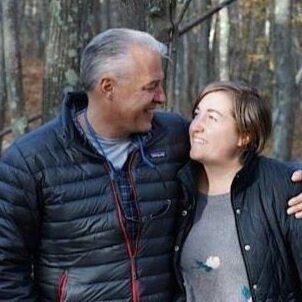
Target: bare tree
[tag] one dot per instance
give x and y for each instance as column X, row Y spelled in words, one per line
column 70, row 28
column 249, row 43
column 115, row 8
column 133, row 14
column 2, row 79
column 224, row 29
column 13, row 70
column 33, row 18
column 284, row 111
column 202, row 56
column 165, row 27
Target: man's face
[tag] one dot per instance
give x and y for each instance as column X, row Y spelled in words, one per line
column 137, row 95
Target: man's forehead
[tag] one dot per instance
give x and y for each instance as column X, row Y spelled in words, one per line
column 141, row 49
column 142, row 55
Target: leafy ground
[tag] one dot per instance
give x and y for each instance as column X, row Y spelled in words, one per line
column 32, row 85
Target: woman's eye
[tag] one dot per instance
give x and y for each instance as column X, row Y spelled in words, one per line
column 211, row 117
column 195, row 113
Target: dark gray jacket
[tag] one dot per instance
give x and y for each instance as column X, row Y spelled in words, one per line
column 61, row 214
column 270, row 240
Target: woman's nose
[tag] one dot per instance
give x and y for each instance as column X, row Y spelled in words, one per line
column 199, row 122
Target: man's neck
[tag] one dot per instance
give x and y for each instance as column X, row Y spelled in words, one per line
column 102, row 125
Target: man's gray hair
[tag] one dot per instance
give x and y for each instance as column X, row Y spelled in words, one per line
column 108, row 52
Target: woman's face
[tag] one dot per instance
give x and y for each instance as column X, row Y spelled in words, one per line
column 213, row 133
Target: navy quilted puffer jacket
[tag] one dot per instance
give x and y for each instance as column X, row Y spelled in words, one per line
column 62, row 226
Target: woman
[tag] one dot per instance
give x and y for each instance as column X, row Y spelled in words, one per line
column 238, row 243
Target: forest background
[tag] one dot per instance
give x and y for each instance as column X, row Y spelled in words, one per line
column 258, row 41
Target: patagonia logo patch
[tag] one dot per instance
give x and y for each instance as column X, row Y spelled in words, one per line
column 158, row 154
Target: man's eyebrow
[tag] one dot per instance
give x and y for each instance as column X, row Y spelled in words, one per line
column 152, row 83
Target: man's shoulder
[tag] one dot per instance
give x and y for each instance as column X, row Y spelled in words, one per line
column 171, row 130
column 36, row 140
column 167, row 119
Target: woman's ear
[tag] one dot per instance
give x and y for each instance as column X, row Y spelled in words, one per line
column 244, row 140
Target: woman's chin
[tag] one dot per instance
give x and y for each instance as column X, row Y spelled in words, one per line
column 196, row 156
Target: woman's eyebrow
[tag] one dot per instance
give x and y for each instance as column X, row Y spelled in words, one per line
column 216, row 111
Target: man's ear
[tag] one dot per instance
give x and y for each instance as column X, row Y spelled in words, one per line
column 106, row 87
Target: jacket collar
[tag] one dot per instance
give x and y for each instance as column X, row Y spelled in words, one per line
column 188, row 176
column 72, row 103
column 190, row 172
column 246, row 176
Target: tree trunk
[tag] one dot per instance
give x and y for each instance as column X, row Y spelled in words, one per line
column 180, row 81
column 224, row 44
column 284, row 111
column 159, row 15
column 42, row 21
column 3, row 95
column 214, row 47
column 69, row 30
column 202, row 69
column 116, row 10
column 184, row 81
column 160, row 18
column 13, row 68
column 133, row 14
column 249, row 54
column 107, row 13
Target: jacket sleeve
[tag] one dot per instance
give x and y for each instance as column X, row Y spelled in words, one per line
column 19, row 227
column 294, row 165
column 293, row 233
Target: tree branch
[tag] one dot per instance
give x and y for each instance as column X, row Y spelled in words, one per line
column 207, row 15
column 298, row 76
column 9, row 130
column 182, row 13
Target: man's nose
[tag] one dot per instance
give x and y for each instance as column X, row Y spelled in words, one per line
column 160, row 96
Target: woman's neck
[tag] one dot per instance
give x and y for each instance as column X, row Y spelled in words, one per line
column 217, row 179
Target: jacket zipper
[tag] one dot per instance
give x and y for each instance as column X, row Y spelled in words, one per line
column 62, row 287
column 134, row 284
column 242, row 252
column 135, row 244
column 181, row 242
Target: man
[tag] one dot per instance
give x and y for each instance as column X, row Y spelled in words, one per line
column 89, row 202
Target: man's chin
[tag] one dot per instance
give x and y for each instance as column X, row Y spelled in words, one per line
column 145, row 128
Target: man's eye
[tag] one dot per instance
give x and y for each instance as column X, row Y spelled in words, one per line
column 150, row 88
